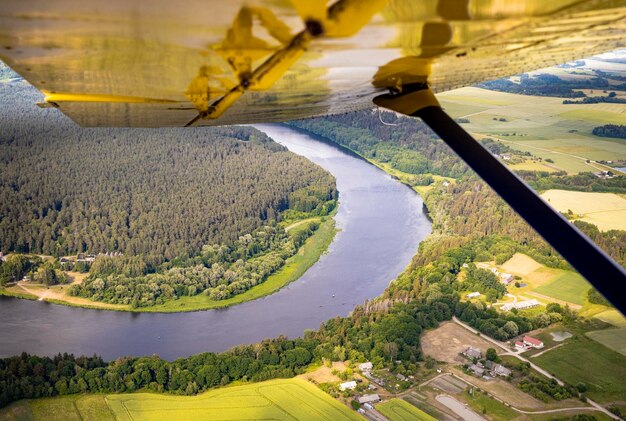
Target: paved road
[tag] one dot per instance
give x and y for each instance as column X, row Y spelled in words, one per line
column 508, row 351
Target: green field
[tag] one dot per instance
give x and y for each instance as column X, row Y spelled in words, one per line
column 611, row 338
column 399, row 410
column 64, row 408
column 493, row 409
column 586, row 361
column 543, row 126
column 284, row 399
column 567, row 286
column 605, row 117
column 613, row 317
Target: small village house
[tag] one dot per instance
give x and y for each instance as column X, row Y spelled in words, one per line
column 351, row 385
column 373, row 398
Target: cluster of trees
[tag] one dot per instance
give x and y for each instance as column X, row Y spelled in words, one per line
column 504, row 326
column 586, row 181
column 409, row 146
column 548, row 85
column 610, row 130
column 544, row 389
column 66, row 189
column 484, row 281
column 611, row 98
column 220, row 271
column 17, row 267
column 14, row 268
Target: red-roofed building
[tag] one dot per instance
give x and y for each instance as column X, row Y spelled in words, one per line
column 520, row 345
column 534, row 342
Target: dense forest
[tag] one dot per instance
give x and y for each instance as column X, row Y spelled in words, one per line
column 610, row 130
column 550, row 85
column 162, row 193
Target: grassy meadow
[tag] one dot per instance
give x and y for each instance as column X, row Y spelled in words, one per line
column 543, row 126
column 565, row 286
column 584, row 360
column 544, row 283
column 399, row 410
column 614, row 339
column 605, row 210
column 283, row 399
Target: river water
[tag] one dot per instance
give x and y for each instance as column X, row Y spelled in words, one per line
column 381, row 224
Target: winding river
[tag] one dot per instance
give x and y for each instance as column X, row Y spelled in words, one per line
column 381, row 224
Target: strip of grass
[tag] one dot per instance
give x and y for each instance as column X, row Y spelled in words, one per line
column 594, row 115
column 483, row 404
column 586, row 361
column 614, row 339
column 399, row 410
column 568, row 286
column 10, row 292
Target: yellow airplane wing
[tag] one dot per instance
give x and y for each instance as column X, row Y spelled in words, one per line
column 214, row 62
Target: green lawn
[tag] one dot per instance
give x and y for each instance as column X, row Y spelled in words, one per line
column 399, row 410
column 587, row 361
column 283, row 399
column 568, row 286
column 611, row 338
column 64, row 408
column 595, row 115
column 493, row 409
column 613, row 317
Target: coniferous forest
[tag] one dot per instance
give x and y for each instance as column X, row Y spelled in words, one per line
column 162, row 193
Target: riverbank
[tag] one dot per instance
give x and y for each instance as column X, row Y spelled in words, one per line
column 294, row 267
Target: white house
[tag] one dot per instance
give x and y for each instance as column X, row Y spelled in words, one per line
column 520, row 305
column 347, row 386
column 473, row 294
column 367, row 366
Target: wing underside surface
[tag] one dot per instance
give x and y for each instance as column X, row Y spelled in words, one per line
column 162, row 63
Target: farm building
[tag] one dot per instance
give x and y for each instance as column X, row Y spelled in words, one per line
column 347, row 385
column 368, row 399
column 520, row 345
column 507, row 278
column 367, row 366
column 534, row 342
column 497, row 369
column 520, row 305
column 472, row 353
column 477, row 369
column 473, row 294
